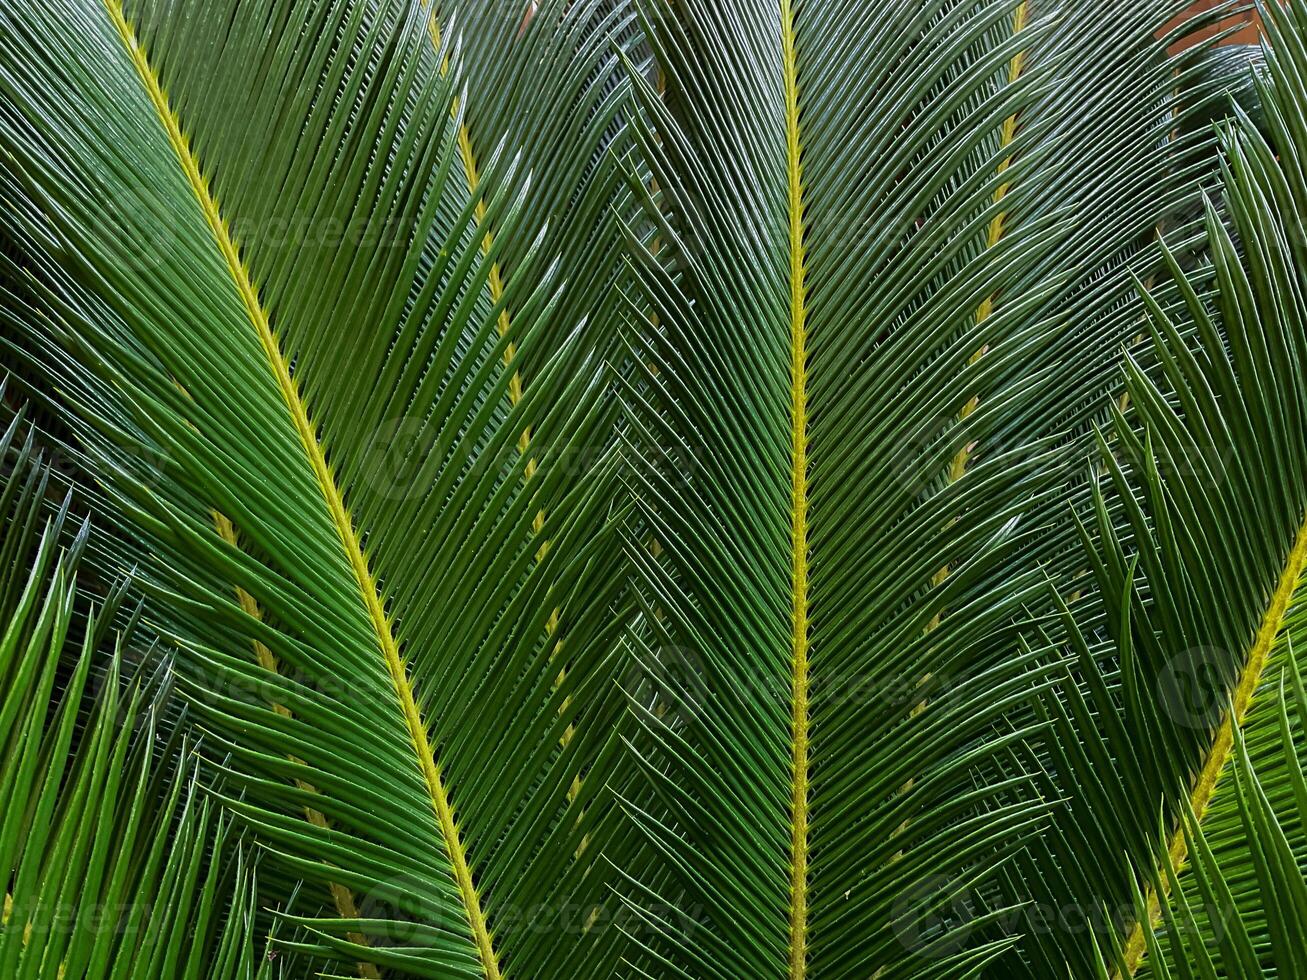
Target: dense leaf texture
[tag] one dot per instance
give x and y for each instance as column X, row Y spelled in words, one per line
column 1184, row 653
column 878, row 321
column 607, row 480
column 114, row 864
column 353, row 420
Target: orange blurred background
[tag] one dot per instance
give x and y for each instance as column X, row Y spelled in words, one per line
column 1246, row 36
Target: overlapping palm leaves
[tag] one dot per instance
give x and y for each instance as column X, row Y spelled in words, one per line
column 1235, row 907
column 866, row 524
column 341, row 638
column 115, row 863
column 1185, row 654
column 604, row 474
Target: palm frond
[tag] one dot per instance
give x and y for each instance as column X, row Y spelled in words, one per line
column 877, row 328
column 1236, row 908
column 1220, row 864
column 578, row 488
column 379, row 546
column 1197, row 552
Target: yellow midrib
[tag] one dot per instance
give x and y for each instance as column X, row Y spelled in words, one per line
column 331, row 495
column 799, row 509
column 472, row 171
column 997, row 226
column 1223, row 744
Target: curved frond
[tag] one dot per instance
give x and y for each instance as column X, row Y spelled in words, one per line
column 1197, row 552
column 606, row 486
column 1237, row 907
column 381, row 549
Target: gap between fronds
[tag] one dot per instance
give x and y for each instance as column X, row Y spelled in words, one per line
column 331, row 494
column 1209, row 777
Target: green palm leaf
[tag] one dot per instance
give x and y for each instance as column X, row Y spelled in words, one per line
column 1238, row 905
column 1184, row 652
column 871, row 313
column 1236, row 908
column 606, row 486
column 344, row 625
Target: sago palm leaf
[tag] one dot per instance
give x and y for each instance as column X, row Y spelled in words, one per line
column 878, row 319
column 258, row 277
column 115, row 864
column 607, row 481
column 1198, row 549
